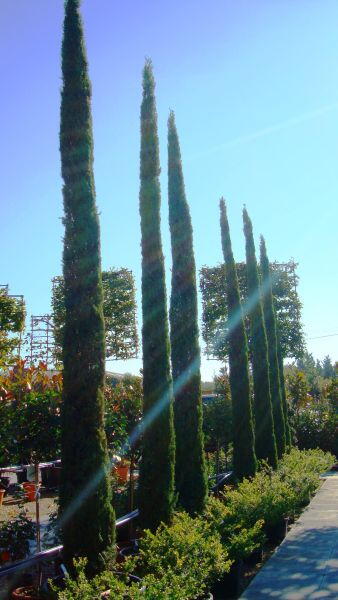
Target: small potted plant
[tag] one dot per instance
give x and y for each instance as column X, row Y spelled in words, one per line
column 15, row 536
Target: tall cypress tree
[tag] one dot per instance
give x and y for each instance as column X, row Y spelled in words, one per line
column 264, row 422
column 156, row 482
column 271, row 333
column 190, row 470
column 245, row 463
column 85, row 496
column 277, row 382
column 288, row 436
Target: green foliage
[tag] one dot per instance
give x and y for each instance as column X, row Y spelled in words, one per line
column 189, row 550
column 286, row 299
column 315, row 425
column 269, row 420
column 244, row 458
column 15, row 535
column 119, row 311
column 217, row 416
column 328, row 369
column 157, row 466
column 297, row 388
column 280, row 413
column 178, row 562
column 190, row 476
column 81, row 588
column 313, row 372
column 29, row 414
column 85, row 490
column 272, row 495
column 32, row 428
column 286, row 411
column 12, row 320
column 123, row 404
column 239, row 540
column 332, row 389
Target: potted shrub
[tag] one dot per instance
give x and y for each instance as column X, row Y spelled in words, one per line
column 180, row 561
column 15, row 536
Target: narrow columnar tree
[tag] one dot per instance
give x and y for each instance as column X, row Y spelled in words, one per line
column 271, row 334
column 245, row 463
column 85, row 496
column 288, row 436
column 264, row 421
column 190, row 469
column 156, row 482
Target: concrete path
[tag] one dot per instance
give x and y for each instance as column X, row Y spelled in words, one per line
column 305, row 565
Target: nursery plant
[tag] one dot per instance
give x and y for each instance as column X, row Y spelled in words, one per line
column 85, row 471
column 157, row 465
column 190, row 475
column 15, row 535
column 244, row 457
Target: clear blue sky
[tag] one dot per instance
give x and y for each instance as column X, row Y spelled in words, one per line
column 254, row 84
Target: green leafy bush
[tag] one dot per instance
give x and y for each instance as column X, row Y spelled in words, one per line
column 187, row 555
column 300, row 469
column 315, row 425
column 82, row 588
column 270, row 496
column 15, row 535
column 178, row 562
column 240, row 541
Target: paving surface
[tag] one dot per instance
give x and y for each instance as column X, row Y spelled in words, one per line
column 305, row 565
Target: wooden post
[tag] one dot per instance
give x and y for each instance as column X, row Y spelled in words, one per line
column 37, row 518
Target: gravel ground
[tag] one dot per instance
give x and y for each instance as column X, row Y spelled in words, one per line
column 11, row 508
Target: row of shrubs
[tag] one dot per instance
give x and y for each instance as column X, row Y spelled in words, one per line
column 183, row 560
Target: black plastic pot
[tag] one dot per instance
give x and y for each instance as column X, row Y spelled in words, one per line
column 22, row 476
column 228, row 586
column 50, row 477
column 129, row 549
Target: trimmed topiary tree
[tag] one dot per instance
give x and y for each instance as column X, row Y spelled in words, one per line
column 190, row 468
column 156, row 480
column 86, row 512
column 245, row 463
column 264, row 421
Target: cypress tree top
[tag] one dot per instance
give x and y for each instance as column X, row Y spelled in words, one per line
column 191, row 481
column 264, row 424
column 245, row 463
column 156, row 482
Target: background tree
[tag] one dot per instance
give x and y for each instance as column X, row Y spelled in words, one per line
column 297, row 388
column 119, row 311
column 332, row 390
column 85, row 491
column 327, row 367
column 190, row 470
column 124, row 404
column 268, row 418
column 313, row 374
column 156, row 479
column 12, row 321
column 272, row 339
column 30, row 402
column 217, row 418
column 286, row 299
column 244, row 459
